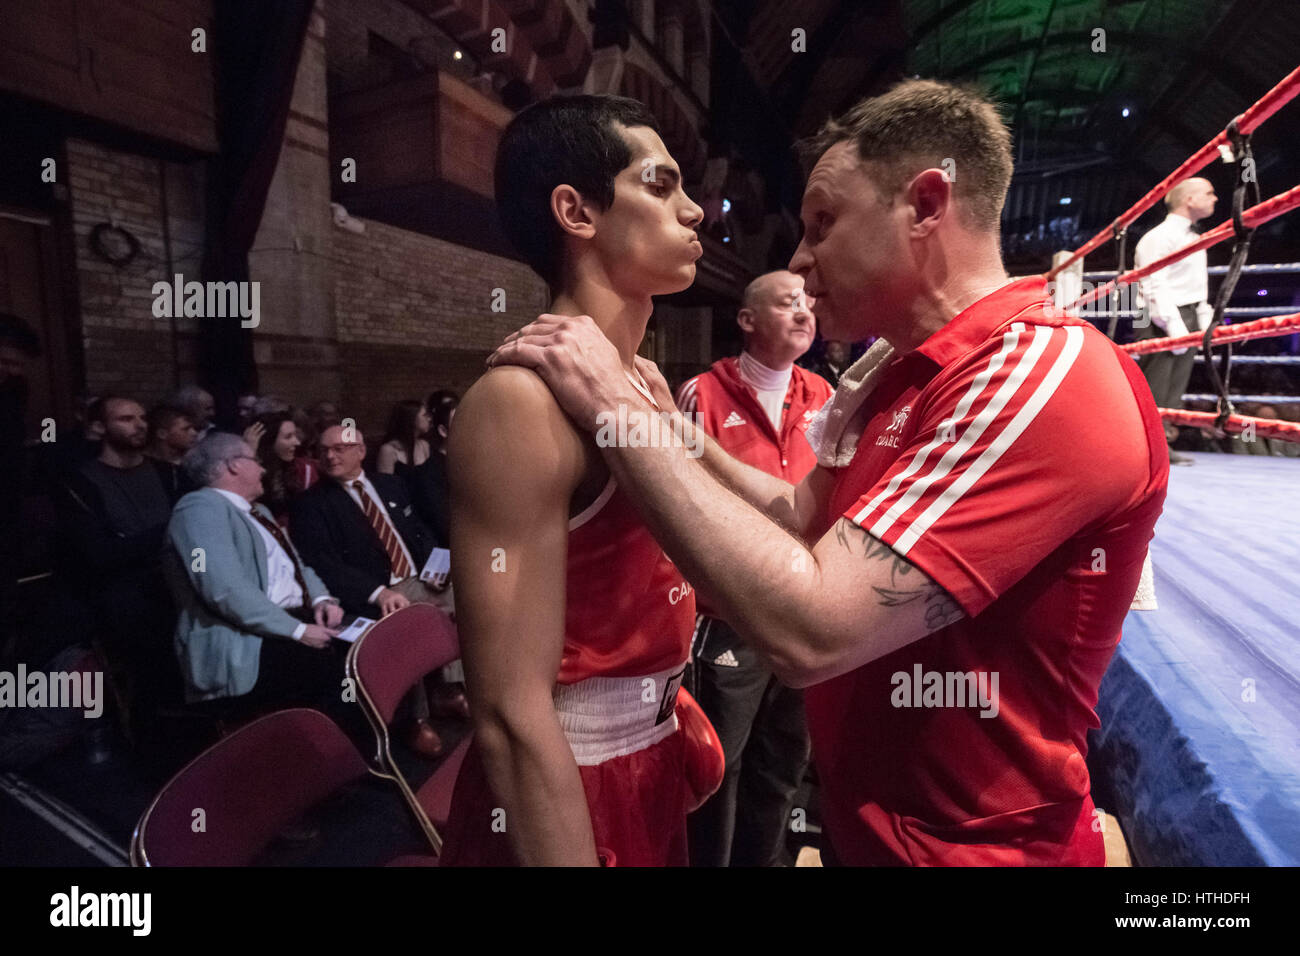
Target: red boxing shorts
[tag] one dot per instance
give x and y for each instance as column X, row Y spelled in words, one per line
column 637, row 800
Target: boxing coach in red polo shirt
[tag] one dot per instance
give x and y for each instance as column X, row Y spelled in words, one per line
column 950, row 582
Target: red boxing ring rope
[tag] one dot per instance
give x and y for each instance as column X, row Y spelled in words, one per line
column 1261, row 328
column 1252, row 217
column 1235, row 424
column 1223, row 334
column 1247, row 122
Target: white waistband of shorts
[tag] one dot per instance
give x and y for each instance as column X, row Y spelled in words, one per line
column 608, row 717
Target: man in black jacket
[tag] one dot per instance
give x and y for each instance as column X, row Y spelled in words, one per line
column 362, row 536
column 361, row 533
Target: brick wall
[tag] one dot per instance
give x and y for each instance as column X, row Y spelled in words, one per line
column 413, row 313
column 127, row 349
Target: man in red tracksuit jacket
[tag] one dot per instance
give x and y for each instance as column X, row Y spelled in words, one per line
column 757, row 407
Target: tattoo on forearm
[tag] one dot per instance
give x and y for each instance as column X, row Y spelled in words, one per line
column 940, row 609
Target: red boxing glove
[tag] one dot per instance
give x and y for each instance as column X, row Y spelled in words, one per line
column 702, row 752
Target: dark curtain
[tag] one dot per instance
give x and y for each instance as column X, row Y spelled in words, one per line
column 256, row 46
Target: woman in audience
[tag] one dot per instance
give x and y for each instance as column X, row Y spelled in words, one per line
column 276, row 438
column 429, row 490
column 405, row 446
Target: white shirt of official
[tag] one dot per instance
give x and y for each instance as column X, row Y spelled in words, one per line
column 769, row 385
column 1183, row 283
column 282, row 587
column 383, row 511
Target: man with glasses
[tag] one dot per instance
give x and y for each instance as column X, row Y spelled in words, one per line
column 757, row 408
column 362, row 534
column 255, row 620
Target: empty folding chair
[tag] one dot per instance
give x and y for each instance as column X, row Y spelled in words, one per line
column 391, row 657
column 244, row 789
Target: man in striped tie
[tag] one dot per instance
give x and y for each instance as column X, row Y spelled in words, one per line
column 363, row 537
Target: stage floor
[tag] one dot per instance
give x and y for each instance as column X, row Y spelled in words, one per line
column 1199, row 751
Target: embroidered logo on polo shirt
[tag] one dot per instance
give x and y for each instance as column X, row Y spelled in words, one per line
column 896, row 427
column 733, row 420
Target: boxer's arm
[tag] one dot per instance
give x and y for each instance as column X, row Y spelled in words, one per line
column 513, row 462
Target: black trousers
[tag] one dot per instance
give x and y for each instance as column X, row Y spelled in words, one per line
column 1166, row 373
column 292, row 674
column 764, row 736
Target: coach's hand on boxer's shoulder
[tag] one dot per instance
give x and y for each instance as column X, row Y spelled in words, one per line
column 579, row 364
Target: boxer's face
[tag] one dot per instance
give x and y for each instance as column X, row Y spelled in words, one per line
column 853, row 254
column 646, row 238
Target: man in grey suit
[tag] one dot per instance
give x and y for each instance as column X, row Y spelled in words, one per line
column 255, row 622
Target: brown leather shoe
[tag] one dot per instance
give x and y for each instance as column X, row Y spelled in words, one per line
column 448, row 700
column 424, row 740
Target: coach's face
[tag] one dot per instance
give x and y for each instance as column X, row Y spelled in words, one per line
column 647, row 237
column 853, row 255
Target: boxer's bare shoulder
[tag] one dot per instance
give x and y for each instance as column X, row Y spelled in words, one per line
column 510, row 425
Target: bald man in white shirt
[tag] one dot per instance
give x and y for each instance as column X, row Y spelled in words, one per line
column 1174, row 298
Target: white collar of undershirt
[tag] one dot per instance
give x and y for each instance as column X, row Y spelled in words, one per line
column 761, row 378
column 238, row 500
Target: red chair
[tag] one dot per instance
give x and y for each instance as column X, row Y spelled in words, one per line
column 391, row 657
column 249, row 786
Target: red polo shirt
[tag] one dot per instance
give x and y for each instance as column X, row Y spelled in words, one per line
column 1017, row 458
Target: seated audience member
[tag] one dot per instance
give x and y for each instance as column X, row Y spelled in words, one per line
column 277, row 441
column 429, row 489
column 199, row 403
column 115, row 513
column 256, row 622
column 361, row 533
column 404, row 446
column 171, row 435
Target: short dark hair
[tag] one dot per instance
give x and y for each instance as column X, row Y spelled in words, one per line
column 561, row 140
column 917, row 124
column 161, row 417
column 98, row 410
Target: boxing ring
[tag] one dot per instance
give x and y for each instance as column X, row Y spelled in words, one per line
column 1198, row 754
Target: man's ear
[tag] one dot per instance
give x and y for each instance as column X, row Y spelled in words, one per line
column 745, row 318
column 571, row 212
column 930, row 196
